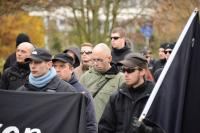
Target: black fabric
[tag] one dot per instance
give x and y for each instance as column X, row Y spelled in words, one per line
column 158, row 64
column 14, row 76
column 91, row 123
column 176, row 106
column 113, row 70
column 63, row 57
column 22, row 37
column 121, row 107
column 48, row 112
column 40, row 54
column 119, row 54
column 76, row 52
column 11, row 60
column 145, row 126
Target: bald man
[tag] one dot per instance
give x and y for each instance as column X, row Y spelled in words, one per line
column 102, row 79
column 15, row 76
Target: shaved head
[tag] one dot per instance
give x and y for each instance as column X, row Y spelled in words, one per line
column 23, row 51
column 102, row 47
column 101, row 57
column 26, row 45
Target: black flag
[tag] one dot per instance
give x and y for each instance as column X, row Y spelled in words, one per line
column 176, row 107
column 32, row 112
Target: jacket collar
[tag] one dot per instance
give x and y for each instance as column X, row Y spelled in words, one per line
column 73, row 79
column 122, row 50
column 52, row 85
column 144, row 90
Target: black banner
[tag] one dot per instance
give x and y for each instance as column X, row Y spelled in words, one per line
column 32, row 112
column 177, row 105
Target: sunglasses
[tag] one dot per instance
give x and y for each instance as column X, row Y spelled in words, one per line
column 114, row 37
column 129, row 70
column 168, row 52
column 86, row 52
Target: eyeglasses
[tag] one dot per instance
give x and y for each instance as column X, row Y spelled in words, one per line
column 98, row 60
column 86, row 52
column 168, row 52
column 114, row 37
column 129, row 70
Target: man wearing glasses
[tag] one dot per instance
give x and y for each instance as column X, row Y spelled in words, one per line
column 126, row 104
column 168, row 49
column 120, row 47
column 102, row 79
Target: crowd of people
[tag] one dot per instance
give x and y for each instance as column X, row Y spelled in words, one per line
column 116, row 81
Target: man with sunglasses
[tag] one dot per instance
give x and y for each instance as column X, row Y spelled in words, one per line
column 120, row 46
column 102, row 79
column 126, row 104
column 168, row 49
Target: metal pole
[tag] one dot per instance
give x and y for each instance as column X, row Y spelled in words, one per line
column 166, row 68
column 46, row 24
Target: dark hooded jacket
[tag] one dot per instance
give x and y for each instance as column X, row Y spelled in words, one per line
column 119, row 54
column 76, row 52
column 122, row 106
column 14, row 76
column 11, row 60
column 91, row 124
column 55, row 85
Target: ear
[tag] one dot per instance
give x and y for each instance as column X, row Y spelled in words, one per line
column 110, row 59
column 143, row 72
column 49, row 64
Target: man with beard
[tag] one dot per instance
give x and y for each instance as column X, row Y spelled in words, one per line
column 127, row 103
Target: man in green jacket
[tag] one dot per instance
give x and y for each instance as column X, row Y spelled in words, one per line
column 103, row 78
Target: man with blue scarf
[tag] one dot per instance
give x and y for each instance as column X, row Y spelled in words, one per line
column 43, row 76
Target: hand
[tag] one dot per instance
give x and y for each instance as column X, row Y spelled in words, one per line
column 145, row 126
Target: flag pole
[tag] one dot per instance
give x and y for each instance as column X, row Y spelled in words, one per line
column 166, row 68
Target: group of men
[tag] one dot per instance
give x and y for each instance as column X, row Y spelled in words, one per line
column 113, row 81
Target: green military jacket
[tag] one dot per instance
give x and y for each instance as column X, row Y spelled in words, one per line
column 104, row 84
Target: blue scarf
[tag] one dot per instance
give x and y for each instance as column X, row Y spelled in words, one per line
column 43, row 80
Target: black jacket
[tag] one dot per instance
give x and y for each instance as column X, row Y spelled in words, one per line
column 14, row 76
column 91, row 124
column 11, row 60
column 55, row 85
column 119, row 54
column 158, row 64
column 123, row 106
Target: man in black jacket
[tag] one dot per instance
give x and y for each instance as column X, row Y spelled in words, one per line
column 120, row 46
column 126, row 105
column 21, row 37
column 16, row 75
column 64, row 66
column 43, row 76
